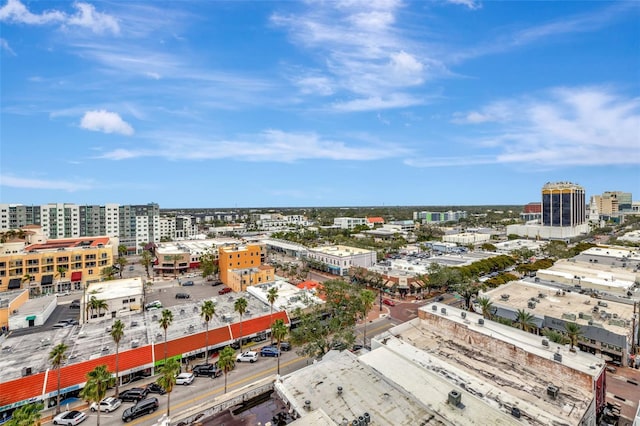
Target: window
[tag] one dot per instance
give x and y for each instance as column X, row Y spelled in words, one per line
column 90, row 272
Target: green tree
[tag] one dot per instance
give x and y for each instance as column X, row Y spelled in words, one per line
column 175, row 258
column 574, row 331
column 26, row 415
column 367, row 297
column 467, row 288
column 207, row 311
column 272, row 296
column 146, row 260
column 121, row 262
column 554, row 336
column 208, row 264
column 240, row 306
column 278, row 332
column 122, row 250
column 524, row 320
column 98, row 381
column 486, row 306
column 117, row 332
column 167, row 380
column 108, row 273
column 57, row 356
column 226, row 362
column 165, row 321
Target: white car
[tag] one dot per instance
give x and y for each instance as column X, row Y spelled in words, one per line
column 248, row 356
column 184, row 379
column 69, row 418
column 107, row 405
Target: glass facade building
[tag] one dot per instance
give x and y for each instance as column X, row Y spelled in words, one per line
column 563, row 204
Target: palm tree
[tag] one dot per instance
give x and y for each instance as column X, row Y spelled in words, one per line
column 278, row 331
column 367, row 297
column 174, row 258
column 117, row 331
column 60, row 271
column 122, row 250
column 57, row 356
column 98, row 304
column 486, row 307
column 573, row 331
column 146, row 260
column 165, row 321
column 27, row 415
column 555, row 336
column 207, row 311
column 272, row 296
column 27, row 278
column 524, row 320
column 121, row 262
column 98, row 381
column 240, row 306
column 168, row 372
column 226, row 362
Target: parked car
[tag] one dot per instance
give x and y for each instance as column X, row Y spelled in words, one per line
column 155, row 304
column 209, row 370
column 134, row 394
column 270, row 351
column 388, row 302
column 216, row 283
column 156, row 388
column 185, row 378
column 107, row 405
column 224, row 290
column 248, row 356
column 285, row 346
column 69, row 418
column 182, row 295
column 141, row 408
column 62, row 324
column 187, row 284
column 75, row 304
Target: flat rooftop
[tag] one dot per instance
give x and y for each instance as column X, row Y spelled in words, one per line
column 195, row 246
column 115, row 289
column 555, row 303
column 91, row 340
column 498, row 381
column 289, row 298
column 340, row 251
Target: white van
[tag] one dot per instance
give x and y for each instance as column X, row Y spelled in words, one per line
column 155, row 304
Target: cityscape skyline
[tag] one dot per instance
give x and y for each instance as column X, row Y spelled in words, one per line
column 285, row 104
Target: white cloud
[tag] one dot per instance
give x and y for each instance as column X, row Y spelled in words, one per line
column 4, row 45
column 399, row 100
column 268, row 146
column 105, row 121
column 47, row 184
column 362, row 51
column 471, row 4
column 579, row 126
column 86, row 17
column 315, row 85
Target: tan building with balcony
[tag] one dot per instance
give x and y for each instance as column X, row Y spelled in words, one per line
column 243, row 260
column 56, row 265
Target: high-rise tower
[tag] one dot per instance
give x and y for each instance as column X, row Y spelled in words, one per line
column 563, row 204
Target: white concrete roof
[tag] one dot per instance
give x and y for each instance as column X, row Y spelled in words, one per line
column 115, row 289
column 340, row 251
column 553, row 305
column 289, row 298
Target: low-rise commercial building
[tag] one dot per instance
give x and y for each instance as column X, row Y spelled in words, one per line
column 339, row 259
column 121, row 298
column 606, row 327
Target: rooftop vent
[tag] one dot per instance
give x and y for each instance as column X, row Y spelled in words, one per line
column 504, row 296
column 531, row 304
column 339, row 390
column 480, row 321
column 307, row 405
column 463, row 314
column 552, row 391
column 557, row 357
column 434, row 308
column 515, row 412
column 443, row 311
column 545, row 343
column 454, row 398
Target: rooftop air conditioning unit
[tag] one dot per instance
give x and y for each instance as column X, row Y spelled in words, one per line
column 557, row 357
column 545, row 343
column 480, row 321
column 454, row 398
column 463, row 314
column 434, row 308
column 552, row 391
column 443, row 311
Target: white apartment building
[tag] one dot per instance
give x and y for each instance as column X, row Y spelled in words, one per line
column 349, row 222
column 167, row 226
column 60, row 220
column 339, row 259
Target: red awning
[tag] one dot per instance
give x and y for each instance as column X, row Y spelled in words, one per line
column 76, row 276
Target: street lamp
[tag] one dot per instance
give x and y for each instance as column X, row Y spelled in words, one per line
column 380, row 292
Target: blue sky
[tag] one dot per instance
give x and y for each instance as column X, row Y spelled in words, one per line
column 316, row 103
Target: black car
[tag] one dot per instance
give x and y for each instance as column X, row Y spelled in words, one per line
column 133, row 394
column 210, row 370
column 143, row 407
column 182, row 296
column 285, row 346
column 156, row 388
column 187, row 283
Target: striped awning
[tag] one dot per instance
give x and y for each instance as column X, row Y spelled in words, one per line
column 14, row 283
column 47, row 279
